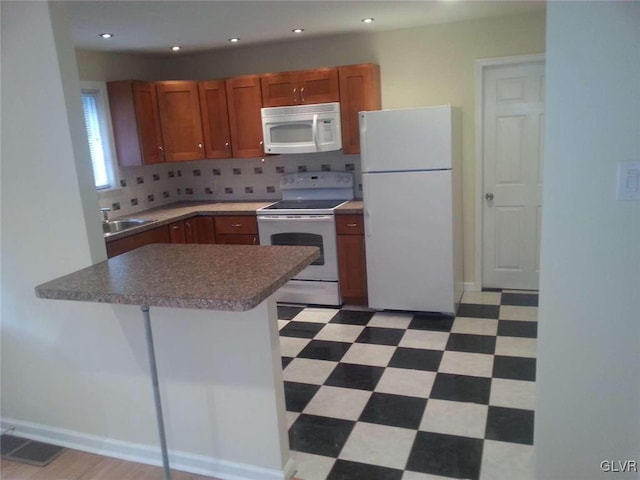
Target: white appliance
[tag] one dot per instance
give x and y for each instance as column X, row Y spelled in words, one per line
column 305, row 216
column 411, row 177
column 302, row 128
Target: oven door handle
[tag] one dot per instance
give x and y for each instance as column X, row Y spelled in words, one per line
column 298, row 218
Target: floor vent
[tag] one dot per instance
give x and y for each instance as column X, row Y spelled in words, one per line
column 28, row 451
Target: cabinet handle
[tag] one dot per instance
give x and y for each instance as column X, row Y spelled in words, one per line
column 255, row 240
column 352, row 224
column 236, row 225
column 295, row 100
column 175, row 227
column 302, row 95
column 162, row 153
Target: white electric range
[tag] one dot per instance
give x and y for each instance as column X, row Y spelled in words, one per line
column 305, row 216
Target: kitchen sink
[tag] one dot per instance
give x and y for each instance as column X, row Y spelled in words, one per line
column 115, row 226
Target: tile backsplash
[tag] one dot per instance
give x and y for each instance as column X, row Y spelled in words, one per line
column 235, row 179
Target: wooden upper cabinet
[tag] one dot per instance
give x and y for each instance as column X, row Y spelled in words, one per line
column 136, row 122
column 215, row 119
column 359, row 91
column 244, row 99
column 179, row 108
column 319, row 85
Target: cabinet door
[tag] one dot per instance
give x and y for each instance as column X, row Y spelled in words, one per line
column 244, row 98
column 136, row 124
column 318, row 86
column 352, row 269
column 359, row 91
column 279, row 89
column 179, row 108
column 178, row 232
column 215, row 119
column 237, row 239
column 204, row 230
column 122, row 245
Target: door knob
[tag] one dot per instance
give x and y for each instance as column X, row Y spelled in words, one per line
column 489, row 196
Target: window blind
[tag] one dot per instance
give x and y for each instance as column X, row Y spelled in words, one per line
column 96, row 142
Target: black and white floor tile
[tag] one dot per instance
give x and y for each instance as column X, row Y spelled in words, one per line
column 398, row 396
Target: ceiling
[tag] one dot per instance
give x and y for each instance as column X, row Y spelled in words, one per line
column 152, row 27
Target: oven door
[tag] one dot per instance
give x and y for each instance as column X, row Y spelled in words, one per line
column 304, row 230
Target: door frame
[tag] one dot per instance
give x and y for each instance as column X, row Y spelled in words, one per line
column 481, row 65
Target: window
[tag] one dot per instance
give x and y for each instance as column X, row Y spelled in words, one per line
column 95, row 119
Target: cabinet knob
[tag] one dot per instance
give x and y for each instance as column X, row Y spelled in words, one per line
column 200, row 146
column 226, row 145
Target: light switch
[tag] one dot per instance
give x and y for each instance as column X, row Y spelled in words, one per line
column 628, row 181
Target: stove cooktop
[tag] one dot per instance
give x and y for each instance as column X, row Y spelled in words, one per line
column 304, row 205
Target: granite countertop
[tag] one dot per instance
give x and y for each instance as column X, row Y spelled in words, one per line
column 183, row 210
column 209, row 277
column 352, row 207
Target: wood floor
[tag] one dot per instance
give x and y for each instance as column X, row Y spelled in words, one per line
column 75, row 465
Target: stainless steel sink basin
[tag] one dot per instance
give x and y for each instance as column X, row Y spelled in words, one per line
column 115, row 226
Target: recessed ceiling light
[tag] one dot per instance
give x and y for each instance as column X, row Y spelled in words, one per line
column 298, row 30
column 368, row 20
column 175, row 48
column 234, row 40
column 106, row 35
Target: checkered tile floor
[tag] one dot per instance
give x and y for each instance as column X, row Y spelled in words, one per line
column 390, row 396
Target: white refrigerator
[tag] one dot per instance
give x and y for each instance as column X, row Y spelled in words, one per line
column 412, row 192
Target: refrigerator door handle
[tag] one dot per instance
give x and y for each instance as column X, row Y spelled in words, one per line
column 367, row 223
column 314, row 131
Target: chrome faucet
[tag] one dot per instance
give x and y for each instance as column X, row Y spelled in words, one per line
column 105, row 214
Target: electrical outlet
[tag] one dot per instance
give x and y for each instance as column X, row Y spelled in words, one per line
column 628, row 187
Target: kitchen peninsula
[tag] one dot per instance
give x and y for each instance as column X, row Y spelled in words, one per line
column 230, row 357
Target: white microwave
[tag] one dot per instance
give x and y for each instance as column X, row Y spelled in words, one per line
column 302, row 128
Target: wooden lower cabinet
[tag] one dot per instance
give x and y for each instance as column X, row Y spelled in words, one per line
column 237, row 229
column 122, row 245
column 193, row 230
column 352, row 264
column 224, row 229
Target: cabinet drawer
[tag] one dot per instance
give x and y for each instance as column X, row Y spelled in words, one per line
column 236, row 224
column 349, row 224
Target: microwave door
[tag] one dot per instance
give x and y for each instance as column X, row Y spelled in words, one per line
column 290, row 136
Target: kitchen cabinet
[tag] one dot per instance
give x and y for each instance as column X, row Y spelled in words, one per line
column 359, row 91
column 136, row 122
column 244, row 99
column 193, row 230
column 237, row 229
column 319, row 85
column 352, row 266
column 215, row 119
column 181, row 125
column 122, row 245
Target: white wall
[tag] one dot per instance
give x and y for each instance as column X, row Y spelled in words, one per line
column 589, row 325
column 76, row 373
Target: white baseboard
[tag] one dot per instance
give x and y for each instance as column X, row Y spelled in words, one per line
column 135, row 452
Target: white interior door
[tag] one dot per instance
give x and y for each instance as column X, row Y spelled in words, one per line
column 513, row 146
